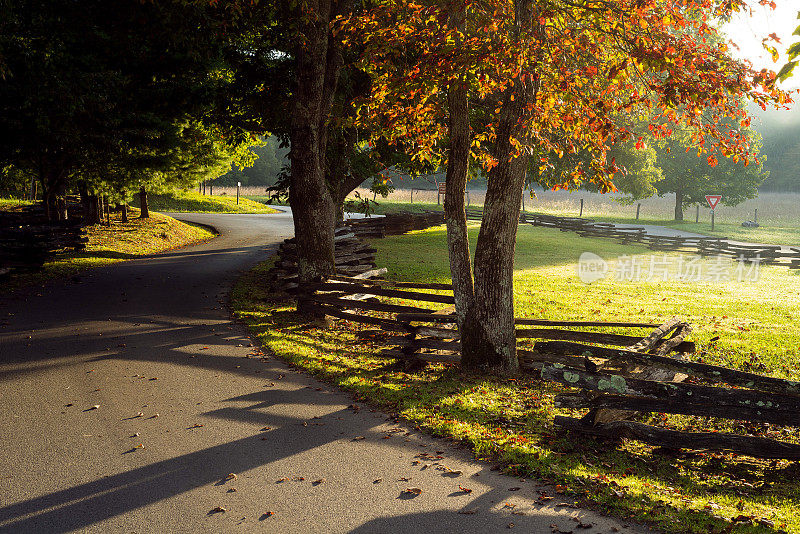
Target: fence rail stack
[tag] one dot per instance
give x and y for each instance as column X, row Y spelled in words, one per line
column 615, row 375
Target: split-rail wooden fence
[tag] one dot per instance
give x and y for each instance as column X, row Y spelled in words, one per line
column 613, row 375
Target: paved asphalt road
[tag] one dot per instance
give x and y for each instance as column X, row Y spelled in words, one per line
column 144, row 353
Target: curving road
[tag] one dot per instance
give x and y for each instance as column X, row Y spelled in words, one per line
column 127, row 398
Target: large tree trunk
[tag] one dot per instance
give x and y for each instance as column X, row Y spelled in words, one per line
column 317, row 65
column 93, row 215
column 679, row 205
column 107, row 210
column 145, row 209
column 91, row 206
column 342, row 178
column 455, row 216
column 488, row 339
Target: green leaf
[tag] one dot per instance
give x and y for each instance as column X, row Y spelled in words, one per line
column 793, row 51
column 786, row 71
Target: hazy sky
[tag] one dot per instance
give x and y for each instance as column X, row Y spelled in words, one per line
column 747, row 32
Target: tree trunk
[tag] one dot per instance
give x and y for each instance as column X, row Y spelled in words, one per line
column 91, row 210
column 488, row 337
column 455, row 215
column 107, row 210
column 124, row 212
column 317, row 65
column 145, row 210
column 679, row 205
column 84, row 194
column 61, row 204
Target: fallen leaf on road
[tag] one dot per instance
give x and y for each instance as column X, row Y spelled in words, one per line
column 465, row 490
column 196, row 425
column 266, row 515
column 358, row 438
column 217, row 510
column 266, row 428
column 318, row 482
column 510, row 525
column 412, row 491
column 514, row 489
column 468, row 512
column 377, row 481
column 95, row 407
column 404, row 479
column 231, row 476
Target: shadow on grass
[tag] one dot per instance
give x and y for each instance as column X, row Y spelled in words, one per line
column 445, row 400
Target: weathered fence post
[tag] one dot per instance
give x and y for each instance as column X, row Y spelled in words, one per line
column 697, row 214
column 638, row 207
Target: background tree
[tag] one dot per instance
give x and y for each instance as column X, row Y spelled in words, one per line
column 691, row 177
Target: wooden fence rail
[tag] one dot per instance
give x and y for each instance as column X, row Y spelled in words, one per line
column 616, row 375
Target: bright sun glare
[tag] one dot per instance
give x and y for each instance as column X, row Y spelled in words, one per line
column 747, row 33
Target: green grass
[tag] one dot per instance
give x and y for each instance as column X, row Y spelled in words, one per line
column 773, row 234
column 511, row 420
column 778, row 213
column 383, row 206
column 12, row 203
column 191, row 201
column 118, row 242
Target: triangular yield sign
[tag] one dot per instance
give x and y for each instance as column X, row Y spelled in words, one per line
column 713, row 200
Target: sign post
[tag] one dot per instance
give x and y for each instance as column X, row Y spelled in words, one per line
column 442, row 189
column 238, row 185
column 713, row 201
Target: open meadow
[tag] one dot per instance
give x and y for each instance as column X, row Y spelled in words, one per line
column 778, row 213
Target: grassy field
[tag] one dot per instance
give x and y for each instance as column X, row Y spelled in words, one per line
column 778, row 213
column 510, row 421
column 109, row 244
column 191, row 201
column 11, row 203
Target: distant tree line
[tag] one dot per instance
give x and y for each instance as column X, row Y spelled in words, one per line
column 782, row 148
